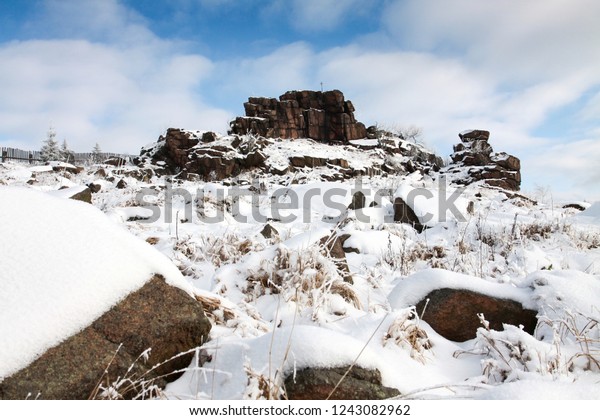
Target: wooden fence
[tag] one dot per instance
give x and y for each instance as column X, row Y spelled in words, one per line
column 32, row 156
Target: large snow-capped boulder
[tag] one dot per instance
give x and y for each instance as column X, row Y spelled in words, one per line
column 144, row 320
column 453, row 313
column 451, row 303
column 65, row 266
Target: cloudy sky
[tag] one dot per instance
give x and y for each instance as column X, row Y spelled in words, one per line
column 119, row 72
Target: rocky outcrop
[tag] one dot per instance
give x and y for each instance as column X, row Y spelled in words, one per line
column 172, row 149
column 182, row 152
column 322, row 116
column 452, row 313
column 144, row 320
column 185, row 154
column 318, row 384
column 476, row 154
column 327, row 137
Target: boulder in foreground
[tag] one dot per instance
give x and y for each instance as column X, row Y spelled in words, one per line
column 453, row 313
column 146, row 319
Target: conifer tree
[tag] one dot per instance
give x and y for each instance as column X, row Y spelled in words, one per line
column 96, row 152
column 66, row 154
column 50, row 150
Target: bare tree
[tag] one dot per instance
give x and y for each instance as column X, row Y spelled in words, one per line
column 410, row 133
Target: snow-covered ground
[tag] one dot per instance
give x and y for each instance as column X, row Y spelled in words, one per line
column 283, row 302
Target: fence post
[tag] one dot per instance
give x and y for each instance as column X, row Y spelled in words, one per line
column 4, row 155
column 30, row 158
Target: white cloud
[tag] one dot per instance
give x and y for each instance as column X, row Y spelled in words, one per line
column 570, row 170
column 287, row 68
column 90, row 92
column 122, row 95
column 106, row 21
column 310, row 15
column 518, row 41
column 590, row 111
column 439, row 94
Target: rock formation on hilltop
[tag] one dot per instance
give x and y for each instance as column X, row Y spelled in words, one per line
column 476, row 154
column 322, row 116
column 327, row 136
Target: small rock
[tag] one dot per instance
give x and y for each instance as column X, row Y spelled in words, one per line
column 334, row 250
column 347, row 249
column 358, row 201
column 68, row 168
column 574, row 206
column 471, row 207
column 317, row 384
column 269, row 232
column 121, row 184
column 115, row 161
column 474, row 135
column 94, row 188
column 84, row 195
column 209, row 137
column 403, row 213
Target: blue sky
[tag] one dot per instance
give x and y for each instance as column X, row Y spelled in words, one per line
column 119, row 72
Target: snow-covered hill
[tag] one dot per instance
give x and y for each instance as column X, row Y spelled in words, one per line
column 280, row 300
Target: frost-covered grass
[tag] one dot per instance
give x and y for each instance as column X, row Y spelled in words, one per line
column 280, row 304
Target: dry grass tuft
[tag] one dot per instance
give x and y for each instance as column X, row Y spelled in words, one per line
column 214, row 309
column 152, row 240
column 405, row 332
column 347, row 292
